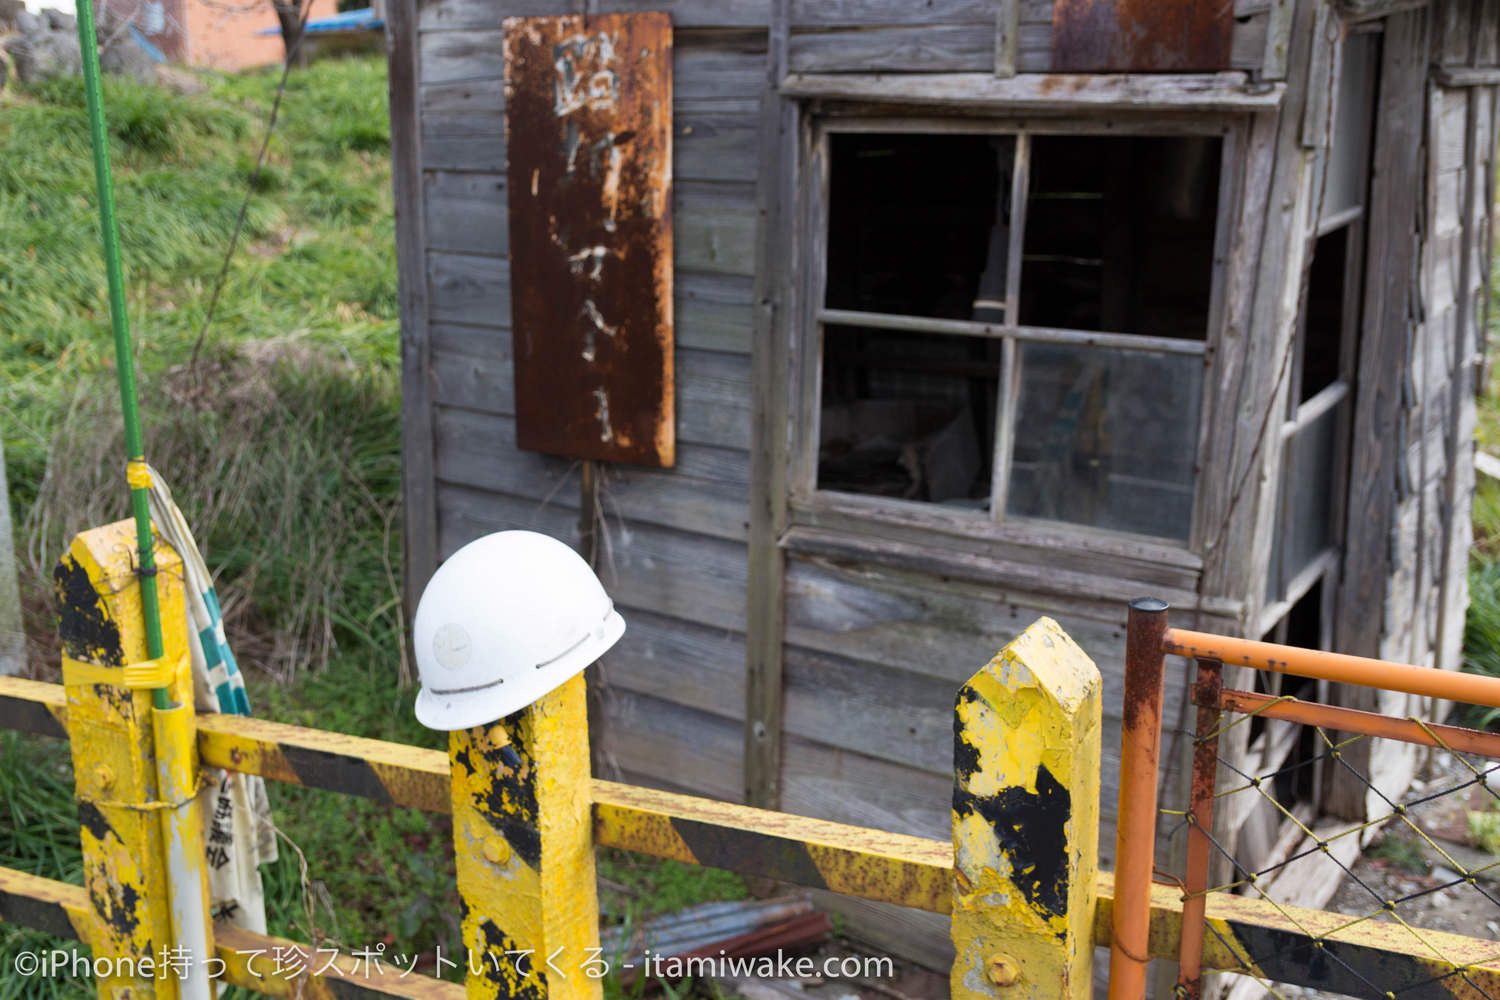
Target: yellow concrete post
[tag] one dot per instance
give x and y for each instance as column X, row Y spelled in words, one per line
column 524, row 844
column 110, row 727
column 1026, row 821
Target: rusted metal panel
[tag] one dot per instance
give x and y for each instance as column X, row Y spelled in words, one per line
column 588, row 107
column 1147, row 36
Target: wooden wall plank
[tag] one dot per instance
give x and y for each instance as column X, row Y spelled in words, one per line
column 474, row 290
column 682, row 662
column 716, row 78
column 672, row 573
column 712, row 314
column 1034, row 47
column 715, row 228
column 463, row 125
column 464, row 14
column 714, row 139
column 927, row 625
column 478, row 450
column 645, row 738
column 466, row 288
column 694, row 13
column 1451, row 153
column 864, row 13
column 454, row 56
column 936, row 48
column 714, row 222
column 713, row 391
column 891, row 715
column 964, row 547
column 1247, row 49
column 848, row 787
column 466, row 212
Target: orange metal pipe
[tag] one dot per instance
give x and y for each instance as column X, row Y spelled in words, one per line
column 1446, row 684
column 1135, row 843
column 1350, row 720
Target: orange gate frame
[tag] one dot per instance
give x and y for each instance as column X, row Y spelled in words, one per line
column 1148, row 641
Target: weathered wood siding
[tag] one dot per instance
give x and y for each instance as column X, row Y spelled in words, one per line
column 672, row 552
column 1429, row 573
column 954, row 36
column 876, row 644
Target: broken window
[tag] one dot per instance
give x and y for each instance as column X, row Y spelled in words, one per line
column 1315, row 433
column 1015, row 324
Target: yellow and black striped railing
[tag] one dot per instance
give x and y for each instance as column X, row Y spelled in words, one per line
column 1018, row 878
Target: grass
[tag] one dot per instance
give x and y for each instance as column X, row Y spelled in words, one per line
column 282, row 446
column 1481, row 653
column 1405, row 853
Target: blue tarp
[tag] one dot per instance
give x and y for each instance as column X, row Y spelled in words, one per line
column 349, row 20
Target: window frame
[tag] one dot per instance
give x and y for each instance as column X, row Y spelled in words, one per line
column 855, row 515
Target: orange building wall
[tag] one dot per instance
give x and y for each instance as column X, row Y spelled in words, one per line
column 221, row 34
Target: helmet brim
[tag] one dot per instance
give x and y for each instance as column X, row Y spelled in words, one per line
column 481, row 706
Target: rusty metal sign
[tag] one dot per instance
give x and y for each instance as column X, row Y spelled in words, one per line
column 588, row 118
column 1141, row 36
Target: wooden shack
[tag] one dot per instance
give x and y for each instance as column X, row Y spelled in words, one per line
column 980, row 310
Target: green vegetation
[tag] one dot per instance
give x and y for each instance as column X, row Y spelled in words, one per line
column 1482, row 626
column 1406, row 853
column 282, row 445
column 1484, row 830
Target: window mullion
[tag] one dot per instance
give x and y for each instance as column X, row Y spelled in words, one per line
column 1010, row 368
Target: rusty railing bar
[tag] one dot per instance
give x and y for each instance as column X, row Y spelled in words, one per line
column 1206, row 688
column 853, row 860
column 1351, row 720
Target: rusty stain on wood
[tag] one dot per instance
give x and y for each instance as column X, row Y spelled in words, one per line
column 588, row 104
column 1141, row 35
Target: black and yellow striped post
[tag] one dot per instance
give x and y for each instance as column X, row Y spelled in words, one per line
column 1026, row 821
column 108, row 680
column 523, row 837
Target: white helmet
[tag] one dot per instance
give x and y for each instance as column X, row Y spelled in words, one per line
column 505, row 620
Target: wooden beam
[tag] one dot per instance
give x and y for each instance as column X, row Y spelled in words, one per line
column 1376, row 457
column 1466, row 76
column 774, row 305
column 1007, row 35
column 1116, row 92
column 418, row 484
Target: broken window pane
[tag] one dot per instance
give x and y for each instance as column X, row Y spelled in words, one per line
column 908, row 415
column 1120, row 234
column 1314, row 455
column 918, row 225
column 1107, row 438
column 1323, row 320
column 1352, row 123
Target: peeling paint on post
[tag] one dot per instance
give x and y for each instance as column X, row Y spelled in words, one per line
column 525, row 853
column 110, row 727
column 1026, row 821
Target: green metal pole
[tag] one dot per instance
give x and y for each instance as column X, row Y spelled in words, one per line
column 88, row 46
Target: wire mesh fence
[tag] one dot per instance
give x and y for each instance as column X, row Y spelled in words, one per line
column 1402, row 871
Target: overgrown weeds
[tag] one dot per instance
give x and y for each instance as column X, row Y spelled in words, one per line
column 281, row 445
